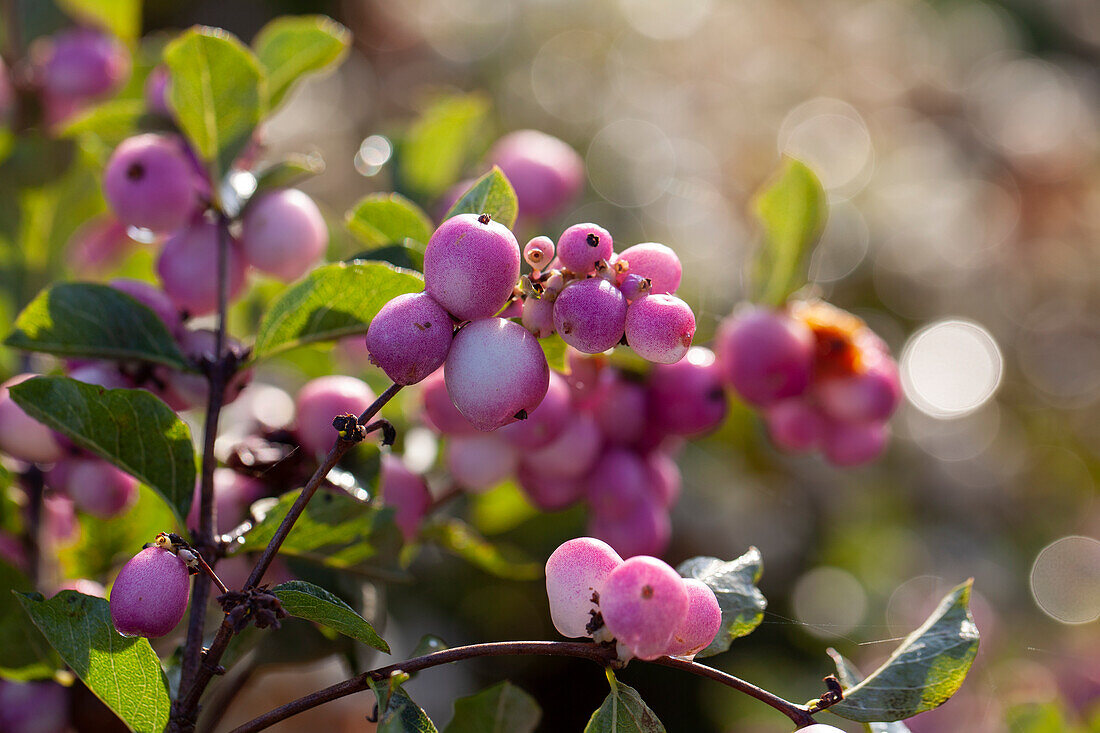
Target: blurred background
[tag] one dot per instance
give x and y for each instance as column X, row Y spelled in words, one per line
column 958, row 142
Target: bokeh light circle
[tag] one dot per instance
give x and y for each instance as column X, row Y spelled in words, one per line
column 631, row 162
column 829, row 601
column 1065, row 580
column 951, row 368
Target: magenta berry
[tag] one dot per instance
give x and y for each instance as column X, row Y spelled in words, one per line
column 582, row 246
column 150, row 594
column 283, row 234
column 700, row 624
column 410, row 337
column 551, row 493
column 663, row 478
column 765, row 355
column 538, row 316
column 33, row 707
column 150, row 183
column 322, row 399
column 688, row 398
column 642, row 603
column 546, row 173
column 188, row 264
column 616, row 483
column 660, row 328
column 575, row 576
column 104, row 374
column 619, row 407
column 571, row 454
column 439, row 411
column 545, row 422
column 853, row 444
column 656, row 262
column 480, row 461
column 234, row 494
column 471, row 266
column 590, row 315
column 496, row 373
column 99, row 488
column 21, row 436
column 406, row 492
column 98, row 245
column 795, row 424
column 85, row 63
column 539, row 252
column 156, row 91
column 635, row 286
column 645, row 529
column 870, row 394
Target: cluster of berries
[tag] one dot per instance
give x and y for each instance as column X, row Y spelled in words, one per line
column 823, row 379
column 641, row 603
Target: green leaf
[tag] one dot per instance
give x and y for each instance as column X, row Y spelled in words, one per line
column 217, row 93
column 289, row 171
column 491, row 194
column 428, row 644
column 502, row 708
column 461, row 540
column 26, row 655
column 293, row 46
column 409, row 256
column 110, row 122
column 122, row 672
column 792, row 209
column 849, row 677
column 128, row 427
column 555, row 350
column 438, row 144
column 332, row 302
column 120, row 17
column 308, row 601
column 1037, row 717
column 389, row 218
column 397, row 713
column 922, row 673
column 734, row 584
column 92, row 320
column 623, row 711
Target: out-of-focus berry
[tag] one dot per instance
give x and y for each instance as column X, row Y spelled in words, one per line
column 283, row 234
column 765, row 355
column 546, row 173
column 21, row 436
column 188, row 267
column 545, row 422
column 687, row 398
column 480, row 461
column 406, row 492
column 150, row 183
column 322, row 399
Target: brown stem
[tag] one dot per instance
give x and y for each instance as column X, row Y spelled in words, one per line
column 600, row 654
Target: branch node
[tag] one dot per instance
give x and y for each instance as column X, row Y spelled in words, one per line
column 834, row 695
column 253, row 606
column 348, row 427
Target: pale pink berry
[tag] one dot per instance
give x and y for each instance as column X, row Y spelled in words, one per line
column 656, row 262
column 59, row 518
column 700, row 624
column 871, row 394
column 819, row 728
column 404, row 491
column 322, row 399
column 439, row 411
column 104, row 374
column 283, row 234
column 99, row 488
column 538, row 316
column 795, row 424
column 688, row 398
column 571, row 454
column 765, row 355
column 645, row 529
column 545, row 422
column 663, row 478
column 234, row 494
column 619, row 407
column 150, row 183
column 496, row 373
column 551, row 493
column 188, row 268
column 590, row 315
column 575, row 576
column 617, row 482
column 642, row 603
column 410, row 337
column 471, row 266
column 152, row 298
column 99, row 245
column 853, row 444
column 660, row 328
column 546, row 173
column 582, row 247
column 150, row 594
column 21, row 436
column 539, row 252
column 480, row 461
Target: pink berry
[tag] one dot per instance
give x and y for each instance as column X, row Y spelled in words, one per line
column 59, row 518
column 439, row 411
column 688, row 398
column 99, row 245
column 819, row 728
column 85, row 63
column 853, row 444
column 590, row 315
column 406, row 492
column 150, row 594
column 156, row 91
column 187, row 390
column 617, row 482
column 660, row 328
column 765, row 355
column 538, row 316
column 619, row 407
column 551, row 493
column 150, row 183
column 471, row 266
column 496, row 373
column 700, row 624
column 582, row 246
column 869, row 395
column 656, row 262
column 663, row 478
column 795, row 424
column 99, row 488
column 642, row 603
column 480, row 461
column 21, row 436
column 635, row 286
column 645, row 529
column 234, row 494
column 546, row 173
column 283, row 234
column 104, row 374
column 188, row 267
column 7, row 95
column 34, row 707
column 152, row 298
column 322, row 399
column 545, row 422
column 410, row 337
column 539, row 252
column 571, row 454
column 575, row 572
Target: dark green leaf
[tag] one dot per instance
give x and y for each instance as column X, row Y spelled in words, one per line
column 502, row 708
column 120, row 17
column 26, row 655
column 217, row 93
column 397, row 713
column 491, row 194
column 849, row 677
column 289, row 171
column 792, row 209
column 332, row 302
column 314, row 603
column 438, row 144
column 408, row 256
column 92, row 320
column 293, row 46
column 734, row 584
column 123, row 672
column 922, row 673
column 623, row 711
column 460, row 539
column 128, row 427
column 389, row 218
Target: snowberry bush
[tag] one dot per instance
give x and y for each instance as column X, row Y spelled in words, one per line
column 567, row 365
